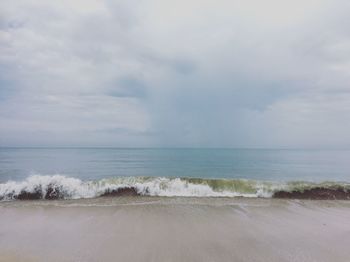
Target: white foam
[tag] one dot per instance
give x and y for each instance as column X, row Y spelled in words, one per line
column 73, row 188
column 177, row 187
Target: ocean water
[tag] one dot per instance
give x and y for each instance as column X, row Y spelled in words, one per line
column 90, row 172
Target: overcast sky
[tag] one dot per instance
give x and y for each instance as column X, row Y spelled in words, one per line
column 187, row 73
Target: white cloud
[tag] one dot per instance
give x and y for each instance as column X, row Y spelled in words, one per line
column 184, row 73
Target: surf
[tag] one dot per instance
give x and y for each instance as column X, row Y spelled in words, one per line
column 53, row 187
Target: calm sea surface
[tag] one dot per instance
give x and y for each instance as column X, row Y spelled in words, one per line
column 96, row 163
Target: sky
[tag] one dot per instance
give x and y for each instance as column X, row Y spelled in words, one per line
column 185, row 73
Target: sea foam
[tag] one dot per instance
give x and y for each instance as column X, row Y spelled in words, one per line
column 63, row 187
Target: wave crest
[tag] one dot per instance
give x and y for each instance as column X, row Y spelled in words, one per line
column 62, row 187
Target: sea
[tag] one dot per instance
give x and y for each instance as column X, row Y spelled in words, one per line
column 74, row 173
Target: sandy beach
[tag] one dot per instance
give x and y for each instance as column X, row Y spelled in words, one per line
column 175, row 229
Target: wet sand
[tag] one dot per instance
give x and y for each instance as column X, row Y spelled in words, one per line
column 175, row 229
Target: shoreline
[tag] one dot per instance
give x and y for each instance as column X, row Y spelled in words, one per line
column 316, row 193
column 175, row 229
column 61, row 187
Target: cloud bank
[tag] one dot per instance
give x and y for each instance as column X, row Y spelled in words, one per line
column 175, row 73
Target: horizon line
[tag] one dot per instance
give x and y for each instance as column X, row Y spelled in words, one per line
column 172, row 147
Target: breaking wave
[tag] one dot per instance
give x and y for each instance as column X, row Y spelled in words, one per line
column 62, row 187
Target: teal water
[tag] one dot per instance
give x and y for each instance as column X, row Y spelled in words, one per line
column 98, row 163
